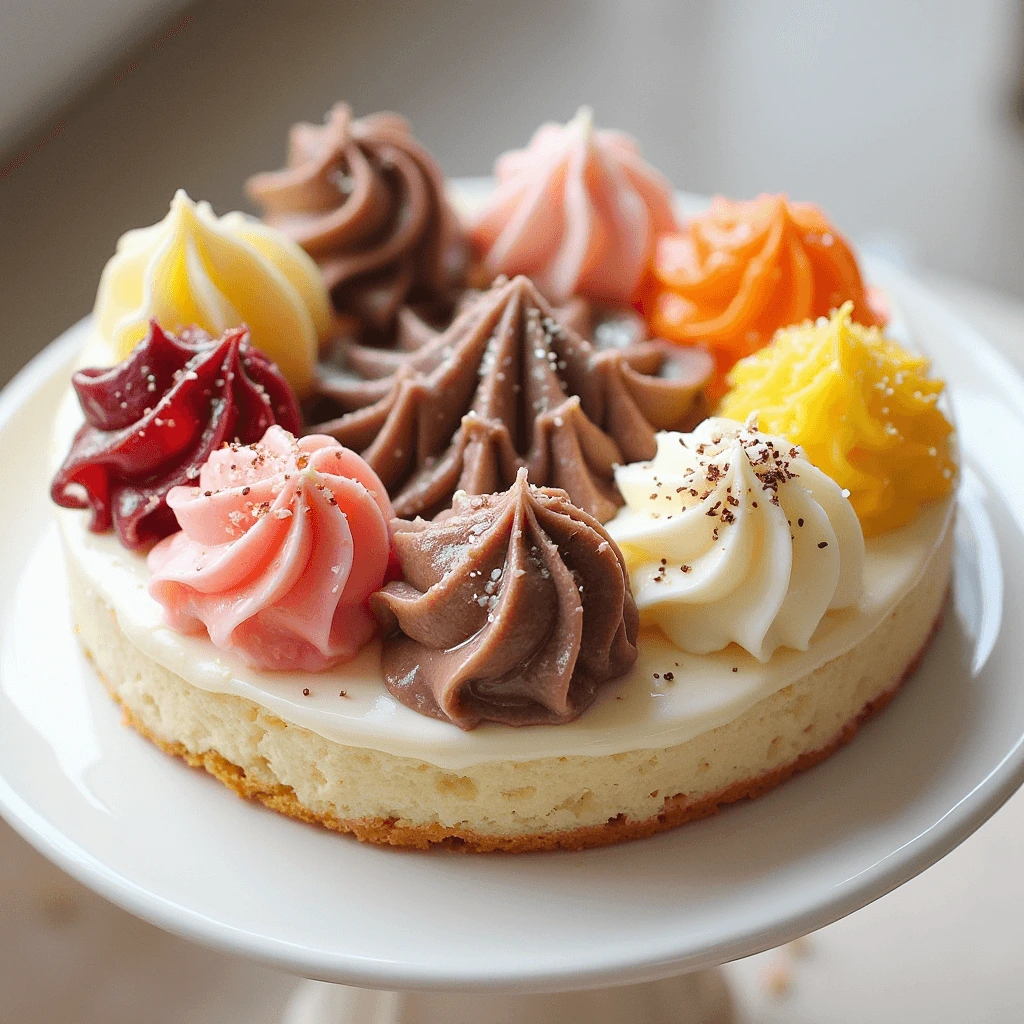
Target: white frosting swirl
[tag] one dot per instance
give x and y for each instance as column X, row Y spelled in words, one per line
column 732, row 536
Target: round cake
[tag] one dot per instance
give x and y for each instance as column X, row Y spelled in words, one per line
column 540, row 526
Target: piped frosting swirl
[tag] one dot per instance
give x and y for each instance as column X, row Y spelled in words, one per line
column 194, row 269
column 281, row 544
column 864, row 409
column 152, row 420
column 578, row 210
column 507, row 386
column 742, row 269
column 513, row 608
column 732, row 536
column 367, row 201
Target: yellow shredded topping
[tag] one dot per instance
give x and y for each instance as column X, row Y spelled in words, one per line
column 862, row 408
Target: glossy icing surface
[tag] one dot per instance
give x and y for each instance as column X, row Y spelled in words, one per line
column 512, row 608
column 652, row 712
column 368, row 202
column 281, row 543
column 578, row 210
column 153, row 420
column 508, row 386
column 742, row 269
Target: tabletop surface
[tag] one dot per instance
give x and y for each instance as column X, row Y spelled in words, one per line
column 940, row 949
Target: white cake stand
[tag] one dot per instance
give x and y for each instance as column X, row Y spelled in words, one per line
column 496, row 938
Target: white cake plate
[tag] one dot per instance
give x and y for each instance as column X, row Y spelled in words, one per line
column 180, row 850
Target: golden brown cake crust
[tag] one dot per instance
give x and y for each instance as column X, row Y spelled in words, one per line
column 385, row 832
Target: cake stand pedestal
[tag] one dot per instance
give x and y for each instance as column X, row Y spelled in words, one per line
column 543, row 938
column 701, row 997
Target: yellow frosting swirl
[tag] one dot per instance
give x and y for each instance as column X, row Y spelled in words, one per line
column 215, row 273
column 862, row 408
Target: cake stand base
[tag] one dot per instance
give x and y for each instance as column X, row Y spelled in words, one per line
column 701, row 997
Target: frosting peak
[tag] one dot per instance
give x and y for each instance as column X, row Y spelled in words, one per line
column 864, row 409
column 194, row 269
column 743, row 269
column 281, row 544
column 514, row 608
column 578, row 210
column 154, row 419
column 731, row 535
column 507, row 386
column 367, row 201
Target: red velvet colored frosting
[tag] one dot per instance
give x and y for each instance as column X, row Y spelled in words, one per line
column 152, row 420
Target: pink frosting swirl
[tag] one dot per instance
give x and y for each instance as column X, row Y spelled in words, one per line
column 281, row 545
column 578, row 210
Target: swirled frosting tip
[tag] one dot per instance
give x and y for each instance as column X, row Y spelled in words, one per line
column 864, row 409
column 281, row 544
column 743, row 269
column 508, row 386
column 578, row 210
column 368, row 202
column 195, row 269
column 513, row 608
column 731, row 535
column 153, row 420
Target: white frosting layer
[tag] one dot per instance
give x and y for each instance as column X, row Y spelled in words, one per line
column 641, row 711
column 732, row 536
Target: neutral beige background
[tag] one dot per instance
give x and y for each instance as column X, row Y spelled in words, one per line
column 897, row 116
column 51, row 47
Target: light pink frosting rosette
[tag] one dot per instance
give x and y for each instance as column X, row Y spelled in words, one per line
column 578, row 210
column 281, row 545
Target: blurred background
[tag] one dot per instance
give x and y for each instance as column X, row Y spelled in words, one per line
column 903, row 118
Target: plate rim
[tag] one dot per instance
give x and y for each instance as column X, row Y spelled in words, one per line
column 614, row 967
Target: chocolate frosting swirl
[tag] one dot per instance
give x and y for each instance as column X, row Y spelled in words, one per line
column 367, row 202
column 603, row 326
column 514, row 608
column 507, row 386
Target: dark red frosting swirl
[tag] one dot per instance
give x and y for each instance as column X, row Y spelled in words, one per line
column 152, row 420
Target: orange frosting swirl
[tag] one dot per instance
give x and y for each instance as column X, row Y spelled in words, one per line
column 743, row 269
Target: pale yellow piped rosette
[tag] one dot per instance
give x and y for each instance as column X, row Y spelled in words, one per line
column 196, row 269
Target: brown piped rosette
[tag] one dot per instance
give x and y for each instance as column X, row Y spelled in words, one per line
column 507, row 386
column 367, row 202
column 604, row 327
column 513, row 608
